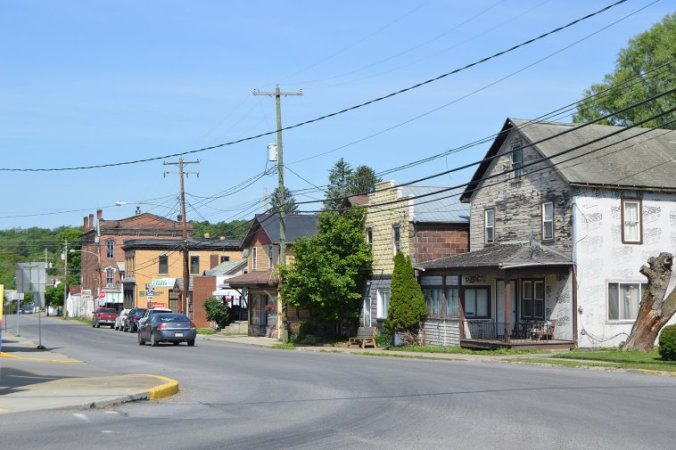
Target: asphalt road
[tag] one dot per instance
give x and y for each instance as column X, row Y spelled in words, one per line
column 236, row 396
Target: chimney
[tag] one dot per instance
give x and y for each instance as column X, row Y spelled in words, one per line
column 85, row 224
column 91, row 221
column 99, row 214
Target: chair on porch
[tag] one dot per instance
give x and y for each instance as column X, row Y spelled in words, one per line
column 542, row 331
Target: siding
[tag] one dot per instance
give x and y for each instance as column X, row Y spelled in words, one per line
column 441, row 332
column 380, row 219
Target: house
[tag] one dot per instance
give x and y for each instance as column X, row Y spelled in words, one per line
column 154, row 275
column 424, row 222
column 562, row 219
column 214, row 283
column 261, row 247
column 102, row 256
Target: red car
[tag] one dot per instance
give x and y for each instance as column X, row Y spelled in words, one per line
column 104, row 316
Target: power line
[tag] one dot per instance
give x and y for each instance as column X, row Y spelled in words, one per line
column 333, row 114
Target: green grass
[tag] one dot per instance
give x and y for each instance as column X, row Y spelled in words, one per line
column 460, row 350
column 619, row 359
column 206, row 331
column 288, row 346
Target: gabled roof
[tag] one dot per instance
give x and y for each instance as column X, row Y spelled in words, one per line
column 297, row 226
column 436, row 204
column 227, row 268
column 177, row 244
column 633, row 158
column 266, row 278
column 503, row 256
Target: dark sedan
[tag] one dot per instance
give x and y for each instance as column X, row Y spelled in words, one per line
column 167, row 327
column 131, row 324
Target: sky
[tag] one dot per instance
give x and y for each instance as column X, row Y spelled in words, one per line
column 110, row 83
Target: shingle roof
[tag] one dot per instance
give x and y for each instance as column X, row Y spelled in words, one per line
column 436, row 204
column 176, row 244
column 227, row 268
column 297, row 226
column 634, row 158
column 502, row 256
column 262, row 278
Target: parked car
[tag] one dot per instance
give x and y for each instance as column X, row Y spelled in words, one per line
column 26, row 309
column 149, row 313
column 131, row 323
column 120, row 319
column 104, row 316
column 167, row 327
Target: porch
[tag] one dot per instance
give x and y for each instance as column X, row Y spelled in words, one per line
column 489, row 334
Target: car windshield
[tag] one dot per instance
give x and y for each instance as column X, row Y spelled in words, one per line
column 170, row 318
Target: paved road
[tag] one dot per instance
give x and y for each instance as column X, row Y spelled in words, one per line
column 235, row 396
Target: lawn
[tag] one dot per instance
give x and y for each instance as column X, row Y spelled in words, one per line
column 618, row 359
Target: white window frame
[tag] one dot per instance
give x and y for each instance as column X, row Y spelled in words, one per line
column 396, row 239
column 489, row 226
column 628, row 221
column 110, row 276
column 548, row 222
column 254, row 258
column 621, row 307
column 382, row 303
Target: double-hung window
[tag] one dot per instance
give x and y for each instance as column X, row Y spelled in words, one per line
column 517, row 160
column 396, row 239
column 631, row 222
column 110, row 276
column 624, row 300
column 110, row 248
column 547, row 221
column 382, row 303
column 194, row 264
column 164, row 264
column 477, row 302
column 489, row 226
column 533, row 299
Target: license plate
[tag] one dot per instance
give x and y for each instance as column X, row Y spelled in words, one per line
column 178, row 334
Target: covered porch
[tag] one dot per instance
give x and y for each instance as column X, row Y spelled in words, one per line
column 489, row 334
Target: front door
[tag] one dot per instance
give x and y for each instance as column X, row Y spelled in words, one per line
column 500, row 306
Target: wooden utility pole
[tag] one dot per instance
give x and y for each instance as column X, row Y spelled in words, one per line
column 185, row 303
column 281, row 302
column 64, row 311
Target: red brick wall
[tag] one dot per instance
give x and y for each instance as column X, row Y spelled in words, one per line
column 202, row 289
column 434, row 241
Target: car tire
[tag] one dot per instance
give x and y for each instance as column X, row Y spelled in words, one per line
column 176, row 342
column 153, row 341
column 191, row 343
column 140, row 340
column 98, row 325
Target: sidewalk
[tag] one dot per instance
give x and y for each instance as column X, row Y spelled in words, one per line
column 32, row 380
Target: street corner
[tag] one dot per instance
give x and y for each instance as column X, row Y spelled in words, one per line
column 166, row 388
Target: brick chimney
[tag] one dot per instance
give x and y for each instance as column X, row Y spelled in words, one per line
column 85, row 223
column 99, row 214
column 91, row 221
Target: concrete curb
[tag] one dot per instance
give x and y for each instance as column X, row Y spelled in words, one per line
column 28, row 358
column 168, row 388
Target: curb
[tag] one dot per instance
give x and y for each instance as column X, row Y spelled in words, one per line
column 168, row 388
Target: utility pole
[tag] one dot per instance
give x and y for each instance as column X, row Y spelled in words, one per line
column 284, row 331
column 184, row 307
column 64, row 311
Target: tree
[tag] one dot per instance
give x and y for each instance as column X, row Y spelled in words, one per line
column 644, row 69
column 54, row 295
column 330, row 270
column 288, row 202
column 407, row 307
column 656, row 307
column 363, row 180
column 217, row 312
column 340, row 179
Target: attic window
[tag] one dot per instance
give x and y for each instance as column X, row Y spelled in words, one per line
column 517, row 159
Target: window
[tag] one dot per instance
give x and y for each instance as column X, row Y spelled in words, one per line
column 517, row 160
column 194, row 264
column 489, row 226
column 533, row 299
column 477, row 302
column 433, row 300
column 631, row 222
column 254, row 257
column 110, row 248
column 624, row 300
column 396, row 239
column 547, row 221
column 271, row 256
column 382, row 303
column 110, row 276
column 225, row 259
column 164, row 264
column 452, row 301
column 369, row 236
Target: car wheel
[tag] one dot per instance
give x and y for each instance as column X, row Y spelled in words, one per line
column 140, row 340
column 191, row 343
column 176, row 342
column 98, row 325
column 153, row 341
column 93, row 324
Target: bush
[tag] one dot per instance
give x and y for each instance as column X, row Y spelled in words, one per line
column 217, row 312
column 667, row 343
column 407, row 307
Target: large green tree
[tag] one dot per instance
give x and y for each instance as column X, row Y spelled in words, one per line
column 235, row 229
column 330, row 269
column 340, row 177
column 363, row 180
column 407, row 308
column 645, row 68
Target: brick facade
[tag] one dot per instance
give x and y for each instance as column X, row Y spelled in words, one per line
column 434, row 241
column 203, row 287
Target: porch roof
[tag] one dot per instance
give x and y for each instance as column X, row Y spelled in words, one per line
column 260, row 278
column 510, row 255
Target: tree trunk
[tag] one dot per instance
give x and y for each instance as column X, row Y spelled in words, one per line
column 656, row 307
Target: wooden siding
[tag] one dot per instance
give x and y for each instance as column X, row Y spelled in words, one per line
column 518, row 201
column 441, row 332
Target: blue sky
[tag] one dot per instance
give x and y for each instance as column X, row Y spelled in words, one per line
column 87, row 83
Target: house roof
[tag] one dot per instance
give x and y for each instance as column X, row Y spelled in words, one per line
column 174, row 244
column 297, row 226
column 509, row 255
column 265, row 278
column 227, row 268
column 436, row 204
column 633, row 158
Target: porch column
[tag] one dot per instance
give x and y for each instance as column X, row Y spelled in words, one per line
column 508, row 306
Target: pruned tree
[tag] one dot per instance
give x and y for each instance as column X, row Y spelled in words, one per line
column 407, row 307
column 656, row 306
